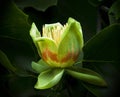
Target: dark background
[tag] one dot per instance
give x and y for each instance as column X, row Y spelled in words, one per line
column 101, row 29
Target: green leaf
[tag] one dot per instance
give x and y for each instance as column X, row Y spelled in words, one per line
column 41, row 5
column 87, row 75
column 21, row 86
column 14, row 22
column 114, row 12
column 6, row 62
column 19, row 53
column 95, row 3
column 49, row 78
column 15, row 40
column 101, row 53
column 40, row 66
column 110, row 74
column 104, row 46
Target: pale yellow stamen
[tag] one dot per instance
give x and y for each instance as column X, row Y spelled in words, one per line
column 53, row 31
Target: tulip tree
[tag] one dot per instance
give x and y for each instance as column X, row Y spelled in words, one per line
column 59, row 48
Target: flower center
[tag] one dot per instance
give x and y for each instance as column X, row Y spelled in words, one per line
column 53, row 31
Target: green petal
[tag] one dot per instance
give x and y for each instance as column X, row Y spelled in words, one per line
column 87, row 75
column 49, row 78
column 71, row 40
column 73, row 32
column 40, row 66
column 34, row 33
column 44, row 43
column 48, row 50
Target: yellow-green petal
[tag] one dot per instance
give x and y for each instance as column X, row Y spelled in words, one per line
column 71, row 43
column 48, row 50
column 49, row 78
column 34, row 33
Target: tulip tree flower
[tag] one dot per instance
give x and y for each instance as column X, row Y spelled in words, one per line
column 59, row 47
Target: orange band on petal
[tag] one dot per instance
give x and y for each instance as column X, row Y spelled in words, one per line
column 69, row 56
column 47, row 54
column 66, row 58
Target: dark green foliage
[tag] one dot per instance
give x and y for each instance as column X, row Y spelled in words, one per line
column 101, row 29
